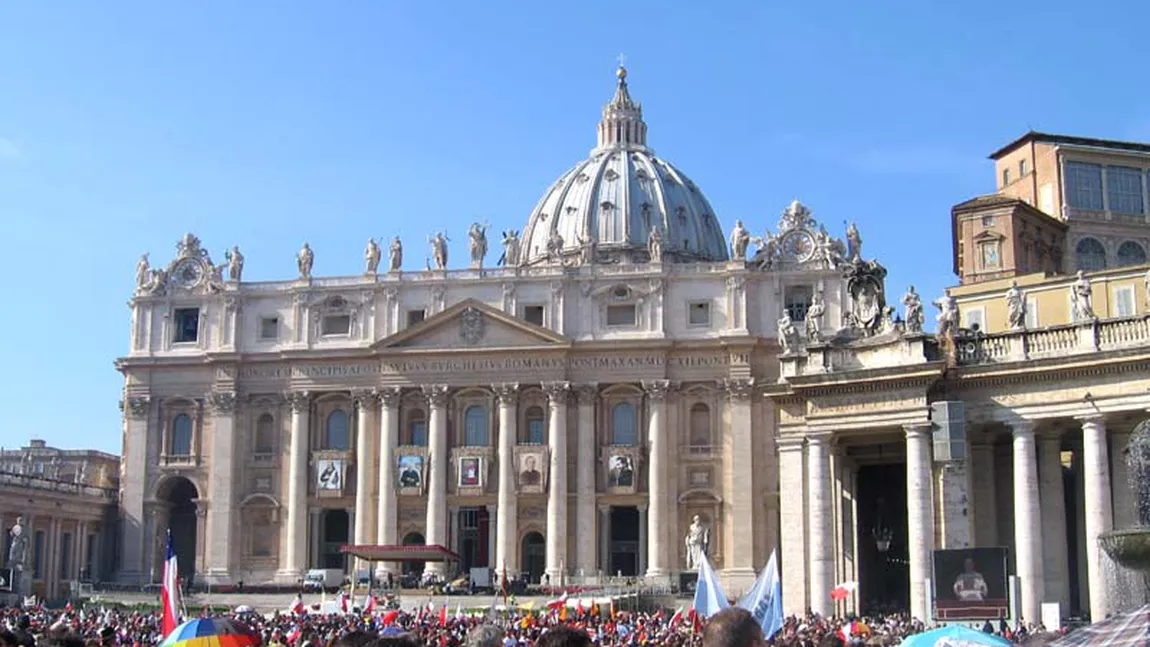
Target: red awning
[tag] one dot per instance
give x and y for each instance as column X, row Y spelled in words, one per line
column 398, row 553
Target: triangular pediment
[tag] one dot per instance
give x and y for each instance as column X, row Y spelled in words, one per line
column 472, row 324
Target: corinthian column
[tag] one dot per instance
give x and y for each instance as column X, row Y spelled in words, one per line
column 557, row 481
column 738, row 483
column 585, row 481
column 656, row 478
column 819, row 522
column 1099, row 515
column 507, row 514
column 920, row 523
column 1027, row 517
column 295, row 555
column 437, row 473
column 220, row 488
column 1056, row 564
column 387, row 511
column 364, row 403
column 791, row 526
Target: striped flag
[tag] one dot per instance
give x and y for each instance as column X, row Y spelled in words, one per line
column 170, row 591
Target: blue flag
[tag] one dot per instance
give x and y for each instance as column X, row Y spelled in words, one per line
column 709, row 596
column 765, row 599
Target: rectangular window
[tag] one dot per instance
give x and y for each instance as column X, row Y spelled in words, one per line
column 988, row 221
column 797, row 301
column 1005, row 176
column 1031, row 312
column 621, row 315
column 975, row 319
column 1124, row 301
column 415, row 316
column 269, row 328
column 699, row 313
column 1124, row 188
column 336, row 325
column 65, row 553
column 1084, row 185
column 1022, row 168
column 989, row 254
column 38, row 554
column 533, row 314
column 187, row 325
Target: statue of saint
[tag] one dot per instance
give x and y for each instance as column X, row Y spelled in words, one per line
column 655, row 244
column 304, row 259
column 914, row 315
column 555, row 247
column 395, row 255
column 18, row 546
column 814, row 318
column 1082, row 298
column 439, row 250
column 854, row 243
column 947, row 317
column 787, row 333
column 510, row 256
column 825, row 249
column 1015, row 307
column 739, row 241
column 478, row 235
column 697, row 541
column 143, row 272
column 235, row 263
column 372, row 255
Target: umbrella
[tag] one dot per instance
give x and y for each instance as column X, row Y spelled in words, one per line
column 1124, row 630
column 244, row 608
column 211, row 632
column 954, row 636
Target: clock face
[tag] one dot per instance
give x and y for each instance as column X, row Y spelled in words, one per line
column 799, row 245
column 188, row 272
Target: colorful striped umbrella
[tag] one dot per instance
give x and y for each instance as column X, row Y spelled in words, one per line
column 211, row 632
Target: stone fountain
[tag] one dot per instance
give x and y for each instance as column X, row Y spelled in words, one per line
column 1130, row 547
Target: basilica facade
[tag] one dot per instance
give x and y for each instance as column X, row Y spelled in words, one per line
column 589, row 405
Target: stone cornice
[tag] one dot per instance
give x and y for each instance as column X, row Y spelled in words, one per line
column 1051, row 369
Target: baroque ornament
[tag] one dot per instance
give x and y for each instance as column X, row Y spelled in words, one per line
column 472, row 325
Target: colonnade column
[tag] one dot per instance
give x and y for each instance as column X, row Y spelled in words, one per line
column 557, row 481
column 585, row 481
column 739, row 480
column 791, row 526
column 819, row 522
column 295, row 553
column 437, row 473
column 387, row 510
column 920, row 521
column 656, row 478
column 1027, row 520
column 364, row 403
column 1099, row 515
column 507, row 521
column 1056, row 565
column 221, row 486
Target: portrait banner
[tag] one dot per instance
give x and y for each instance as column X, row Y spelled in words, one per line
column 330, row 474
column 971, row 584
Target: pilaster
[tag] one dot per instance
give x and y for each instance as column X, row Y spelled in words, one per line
column 557, row 393
column 221, row 491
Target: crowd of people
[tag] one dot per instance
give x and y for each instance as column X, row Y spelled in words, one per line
column 115, row 628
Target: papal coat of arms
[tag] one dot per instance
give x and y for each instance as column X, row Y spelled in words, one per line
column 471, row 325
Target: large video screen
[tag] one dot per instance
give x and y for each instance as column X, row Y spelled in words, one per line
column 970, row 584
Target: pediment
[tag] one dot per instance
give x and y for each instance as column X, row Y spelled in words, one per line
column 989, row 236
column 472, row 324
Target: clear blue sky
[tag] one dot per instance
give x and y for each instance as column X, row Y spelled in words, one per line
column 266, row 123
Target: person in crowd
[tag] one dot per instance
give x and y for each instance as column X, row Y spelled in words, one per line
column 733, row 627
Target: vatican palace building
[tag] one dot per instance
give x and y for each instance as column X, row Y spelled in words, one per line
column 626, row 382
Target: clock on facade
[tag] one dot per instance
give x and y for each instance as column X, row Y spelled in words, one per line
column 799, row 245
column 188, row 272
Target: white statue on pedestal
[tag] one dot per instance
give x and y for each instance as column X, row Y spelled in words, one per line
column 698, row 539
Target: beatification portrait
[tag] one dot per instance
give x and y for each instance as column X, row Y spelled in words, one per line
column 469, row 471
column 329, row 474
column 621, row 471
column 410, row 471
column 529, row 473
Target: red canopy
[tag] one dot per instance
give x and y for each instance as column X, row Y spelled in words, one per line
column 400, row 553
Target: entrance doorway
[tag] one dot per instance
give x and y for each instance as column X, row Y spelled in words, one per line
column 180, row 494
column 474, row 526
column 413, row 568
column 336, row 526
column 624, row 541
column 534, row 559
column 884, row 558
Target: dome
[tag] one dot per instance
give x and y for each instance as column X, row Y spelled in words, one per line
column 606, row 207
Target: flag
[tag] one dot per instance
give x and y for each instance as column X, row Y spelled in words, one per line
column 765, row 599
column 843, row 591
column 709, row 596
column 579, row 611
column 391, row 616
column 458, row 612
column 563, row 614
column 370, row 607
column 558, row 602
column 342, row 602
column 677, row 617
column 443, row 615
column 297, row 606
column 170, row 591
column 294, row 635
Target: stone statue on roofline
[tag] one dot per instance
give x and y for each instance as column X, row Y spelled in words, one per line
column 914, row 317
column 740, row 239
column 304, row 261
column 1015, row 307
column 372, row 256
column 395, row 255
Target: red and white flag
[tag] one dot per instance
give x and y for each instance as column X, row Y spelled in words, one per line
column 297, row 606
column 294, row 635
column 677, row 618
column 370, row 607
column 844, row 590
column 443, row 615
column 558, row 602
column 344, row 604
column 170, row 591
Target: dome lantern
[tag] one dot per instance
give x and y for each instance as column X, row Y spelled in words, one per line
column 622, row 124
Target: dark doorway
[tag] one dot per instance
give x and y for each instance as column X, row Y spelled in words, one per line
column 534, row 556
column 181, row 495
column 335, row 529
column 624, row 541
column 474, row 527
column 884, row 563
column 413, row 539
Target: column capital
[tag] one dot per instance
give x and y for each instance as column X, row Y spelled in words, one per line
column 604, row 507
column 136, row 406
column 436, row 394
column 507, row 393
column 790, row 443
column 917, row 430
column 1021, row 427
column 363, row 399
column 1097, row 419
column 388, row 396
column 819, row 437
column 222, row 402
column 557, row 392
column 299, row 400
column 739, row 389
column 586, row 393
column 657, row 389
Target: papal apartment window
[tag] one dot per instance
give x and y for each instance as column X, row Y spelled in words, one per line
column 533, row 314
column 336, row 325
column 1124, row 301
column 269, row 328
column 797, row 301
column 1084, row 185
column 265, row 434
column 535, row 426
column 187, row 325
column 624, row 425
column 415, row 316
column 699, row 313
column 475, row 426
column 417, row 429
column 181, row 435
column 1090, row 254
column 337, row 434
column 1124, row 188
column 974, row 319
column 621, row 315
column 1130, row 253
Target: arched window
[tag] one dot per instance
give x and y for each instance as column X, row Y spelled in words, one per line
column 417, row 429
column 700, row 425
column 336, row 434
column 182, row 435
column 265, row 434
column 1090, row 254
column 624, row 427
column 1131, row 253
column 534, row 426
column 475, row 426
